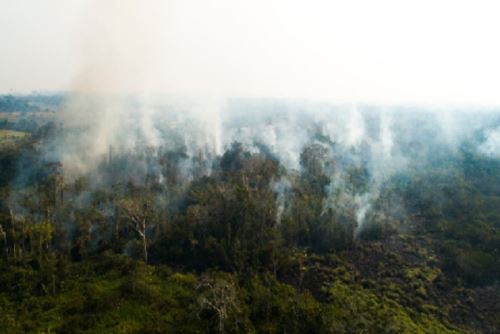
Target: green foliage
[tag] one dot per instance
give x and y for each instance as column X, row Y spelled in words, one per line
column 113, row 294
column 353, row 310
column 245, row 260
column 230, row 222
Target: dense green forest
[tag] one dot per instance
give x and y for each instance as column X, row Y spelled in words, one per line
column 158, row 239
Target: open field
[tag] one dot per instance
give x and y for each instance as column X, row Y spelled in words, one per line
column 9, row 116
column 12, row 116
column 9, row 138
column 11, row 134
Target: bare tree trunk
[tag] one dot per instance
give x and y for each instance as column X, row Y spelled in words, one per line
column 12, row 222
column 4, row 238
column 145, row 248
column 141, row 229
column 137, row 213
column 116, row 219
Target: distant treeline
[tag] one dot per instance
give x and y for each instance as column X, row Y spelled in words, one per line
column 30, row 103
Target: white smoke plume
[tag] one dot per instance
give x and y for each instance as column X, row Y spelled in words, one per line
column 149, row 81
column 491, row 146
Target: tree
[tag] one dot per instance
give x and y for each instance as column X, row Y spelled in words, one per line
column 3, row 237
column 218, row 295
column 138, row 210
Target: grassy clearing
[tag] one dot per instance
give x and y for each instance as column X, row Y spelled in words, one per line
column 10, row 138
column 12, row 134
column 9, row 116
column 13, row 116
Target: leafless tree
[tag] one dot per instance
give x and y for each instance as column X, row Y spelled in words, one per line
column 219, row 296
column 138, row 210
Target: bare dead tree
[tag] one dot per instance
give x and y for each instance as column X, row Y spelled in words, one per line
column 3, row 236
column 138, row 211
column 219, row 296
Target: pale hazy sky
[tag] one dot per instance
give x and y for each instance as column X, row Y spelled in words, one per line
column 365, row 51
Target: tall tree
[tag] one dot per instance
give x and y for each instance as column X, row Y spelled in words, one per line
column 138, row 209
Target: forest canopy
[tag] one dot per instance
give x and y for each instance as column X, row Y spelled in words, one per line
column 269, row 216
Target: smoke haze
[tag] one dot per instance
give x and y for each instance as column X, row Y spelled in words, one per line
column 195, row 77
column 384, row 52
